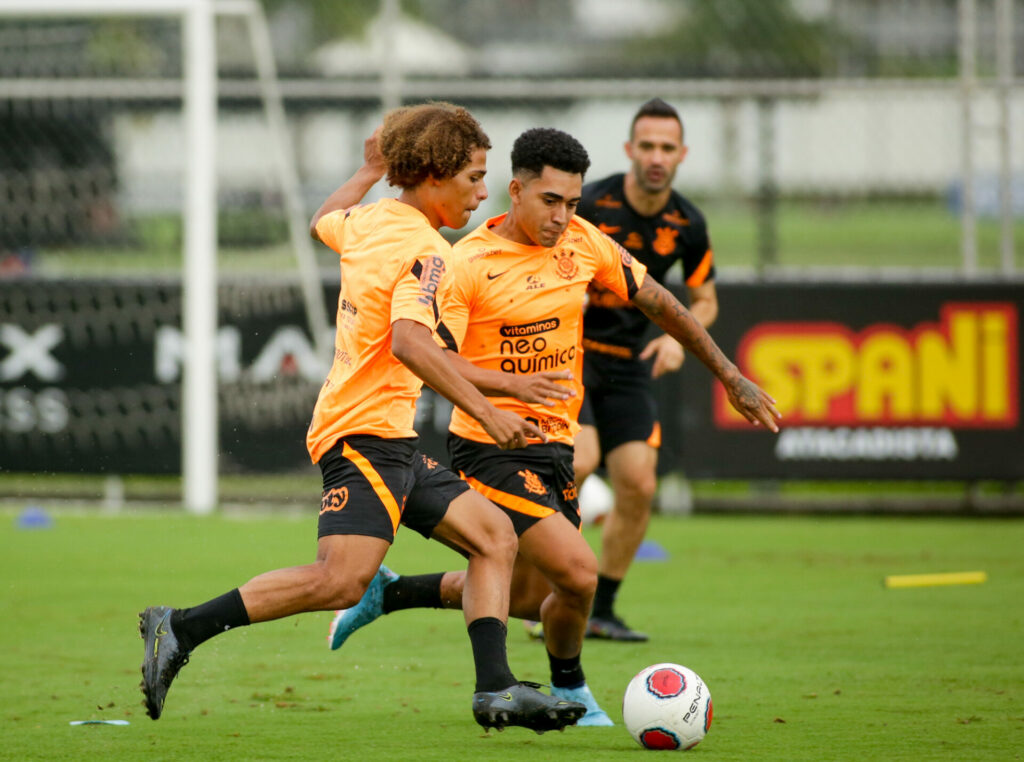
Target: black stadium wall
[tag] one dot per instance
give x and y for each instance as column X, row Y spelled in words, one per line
column 879, row 380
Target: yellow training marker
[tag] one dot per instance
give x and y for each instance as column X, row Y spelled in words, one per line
column 931, row 580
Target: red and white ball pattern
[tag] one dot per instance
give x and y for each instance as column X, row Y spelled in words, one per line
column 667, row 706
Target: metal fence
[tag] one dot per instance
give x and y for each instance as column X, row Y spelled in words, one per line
column 826, row 137
column 822, row 133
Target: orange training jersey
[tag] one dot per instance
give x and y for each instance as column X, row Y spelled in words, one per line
column 394, row 266
column 519, row 309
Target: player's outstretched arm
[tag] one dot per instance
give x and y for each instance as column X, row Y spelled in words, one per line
column 413, row 345
column 537, row 388
column 668, row 313
column 352, row 190
column 665, row 352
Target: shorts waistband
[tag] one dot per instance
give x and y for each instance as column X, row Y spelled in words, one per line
column 624, row 353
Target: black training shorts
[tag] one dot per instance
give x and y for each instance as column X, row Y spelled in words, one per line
column 529, row 484
column 373, row 484
column 619, row 401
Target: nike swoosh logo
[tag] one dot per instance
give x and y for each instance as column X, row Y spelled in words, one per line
column 492, row 276
column 506, row 696
column 160, row 632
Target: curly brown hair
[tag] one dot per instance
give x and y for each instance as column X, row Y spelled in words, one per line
column 435, row 139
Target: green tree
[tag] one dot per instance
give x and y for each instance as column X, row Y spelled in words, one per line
column 738, row 38
column 340, row 18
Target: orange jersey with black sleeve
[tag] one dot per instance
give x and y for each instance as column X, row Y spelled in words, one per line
column 394, row 266
column 519, row 309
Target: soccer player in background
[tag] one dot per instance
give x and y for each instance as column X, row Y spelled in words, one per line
column 516, row 308
column 660, row 227
column 395, row 276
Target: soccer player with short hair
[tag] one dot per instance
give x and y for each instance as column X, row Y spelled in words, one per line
column 660, row 227
column 519, row 286
column 395, row 279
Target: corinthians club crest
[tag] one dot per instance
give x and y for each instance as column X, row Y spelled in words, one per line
column 565, row 265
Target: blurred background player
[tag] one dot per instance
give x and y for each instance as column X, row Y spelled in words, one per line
column 394, row 277
column 660, row 227
column 519, row 283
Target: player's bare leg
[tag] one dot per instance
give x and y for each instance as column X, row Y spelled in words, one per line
column 553, row 581
column 632, row 472
column 554, row 555
column 343, row 568
column 586, row 459
column 475, row 527
column 633, row 476
column 529, row 590
column 586, row 455
column 558, row 552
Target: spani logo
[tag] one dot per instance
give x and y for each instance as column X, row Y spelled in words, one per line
column 961, row 372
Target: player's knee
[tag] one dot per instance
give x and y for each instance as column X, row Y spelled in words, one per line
column 497, row 539
column 578, row 579
column 502, row 544
column 646, row 490
column 507, row 544
column 333, row 590
column 637, row 490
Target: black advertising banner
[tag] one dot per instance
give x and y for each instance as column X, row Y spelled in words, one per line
column 876, row 380
column 90, row 376
column 879, row 380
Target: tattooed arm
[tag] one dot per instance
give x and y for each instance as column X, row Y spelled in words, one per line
column 663, row 309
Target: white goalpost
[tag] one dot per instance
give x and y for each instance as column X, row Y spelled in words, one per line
column 199, row 288
column 199, row 406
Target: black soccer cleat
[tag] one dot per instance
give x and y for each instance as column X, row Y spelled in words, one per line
column 525, row 706
column 613, row 628
column 162, row 660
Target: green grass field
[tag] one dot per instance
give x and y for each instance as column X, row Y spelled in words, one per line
column 807, row 656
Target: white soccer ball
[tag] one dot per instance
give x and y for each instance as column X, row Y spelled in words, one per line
column 596, row 500
column 667, row 706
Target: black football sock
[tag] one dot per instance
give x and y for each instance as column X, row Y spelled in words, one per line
column 566, row 673
column 195, row 625
column 421, row 591
column 487, row 636
column 604, row 598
